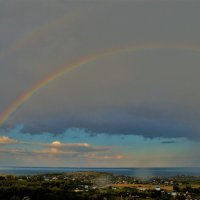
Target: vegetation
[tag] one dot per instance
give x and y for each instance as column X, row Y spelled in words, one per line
column 94, row 186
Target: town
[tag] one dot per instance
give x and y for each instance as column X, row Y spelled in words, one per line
column 98, row 186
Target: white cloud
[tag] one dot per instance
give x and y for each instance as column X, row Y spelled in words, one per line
column 7, row 140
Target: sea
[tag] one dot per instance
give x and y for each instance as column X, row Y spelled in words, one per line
column 133, row 172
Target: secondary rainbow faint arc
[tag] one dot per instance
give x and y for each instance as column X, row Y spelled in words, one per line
column 80, row 62
column 36, row 33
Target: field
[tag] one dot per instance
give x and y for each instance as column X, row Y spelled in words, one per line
column 168, row 188
column 144, row 186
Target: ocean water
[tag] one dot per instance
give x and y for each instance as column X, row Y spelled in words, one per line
column 134, row 172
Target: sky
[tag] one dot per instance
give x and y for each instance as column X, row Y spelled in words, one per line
column 97, row 83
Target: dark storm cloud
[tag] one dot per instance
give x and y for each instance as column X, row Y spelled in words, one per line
column 117, row 123
column 169, row 142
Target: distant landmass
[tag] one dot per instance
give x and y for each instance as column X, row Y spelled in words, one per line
column 134, row 172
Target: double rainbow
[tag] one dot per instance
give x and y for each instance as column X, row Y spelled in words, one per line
column 81, row 62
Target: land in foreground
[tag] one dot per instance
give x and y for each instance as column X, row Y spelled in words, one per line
column 97, row 186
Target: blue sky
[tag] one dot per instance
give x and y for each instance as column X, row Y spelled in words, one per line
column 130, row 109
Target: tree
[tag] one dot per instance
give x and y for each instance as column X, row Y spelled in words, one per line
column 14, row 198
column 26, row 198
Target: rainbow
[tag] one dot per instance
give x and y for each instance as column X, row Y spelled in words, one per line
column 81, row 62
column 40, row 31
